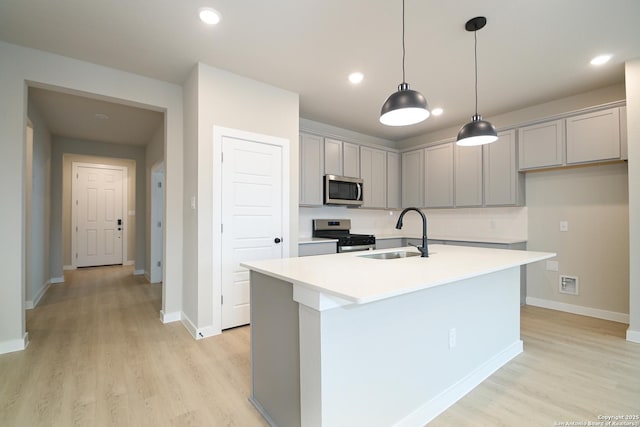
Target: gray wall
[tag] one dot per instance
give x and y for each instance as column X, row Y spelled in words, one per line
column 38, row 269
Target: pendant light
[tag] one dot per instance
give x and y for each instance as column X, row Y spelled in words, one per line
column 477, row 131
column 406, row 106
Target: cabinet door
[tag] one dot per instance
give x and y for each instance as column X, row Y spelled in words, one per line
column 468, row 173
column 541, row 145
column 394, row 184
column 503, row 184
column 438, row 161
column 373, row 168
column 594, row 136
column 413, row 179
column 311, row 149
column 350, row 160
column 332, row 157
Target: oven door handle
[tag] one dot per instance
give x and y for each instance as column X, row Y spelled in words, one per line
column 355, row 248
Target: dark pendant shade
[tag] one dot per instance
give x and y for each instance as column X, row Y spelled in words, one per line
column 404, row 107
column 477, row 132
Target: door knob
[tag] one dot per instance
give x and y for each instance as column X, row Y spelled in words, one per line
column 277, row 240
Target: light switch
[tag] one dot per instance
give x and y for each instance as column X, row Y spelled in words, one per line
column 564, row 225
column 193, row 202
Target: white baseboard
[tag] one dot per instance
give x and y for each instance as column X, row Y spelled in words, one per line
column 14, row 345
column 129, row 262
column 147, row 276
column 431, row 409
column 69, row 267
column 633, row 336
column 30, row 304
column 198, row 333
column 55, row 280
column 170, row 317
column 578, row 309
column 138, row 272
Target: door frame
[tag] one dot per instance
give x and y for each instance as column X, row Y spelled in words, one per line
column 219, row 133
column 156, row 236
column 74, row 212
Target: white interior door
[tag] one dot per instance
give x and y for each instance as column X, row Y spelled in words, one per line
column 252, row 218
column 97, row 210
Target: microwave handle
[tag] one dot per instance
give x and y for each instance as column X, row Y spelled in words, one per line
column 359, row 191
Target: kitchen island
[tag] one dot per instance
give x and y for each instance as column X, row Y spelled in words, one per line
column 347, row 340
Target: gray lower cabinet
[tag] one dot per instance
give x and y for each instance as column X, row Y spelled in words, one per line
column 390, row 243
column 324, row 248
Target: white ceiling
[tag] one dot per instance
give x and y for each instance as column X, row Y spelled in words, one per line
column 530, row 51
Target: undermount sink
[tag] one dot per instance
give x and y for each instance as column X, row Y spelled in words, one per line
column 391, row 255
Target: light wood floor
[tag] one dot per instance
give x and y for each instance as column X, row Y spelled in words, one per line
column 100, row 356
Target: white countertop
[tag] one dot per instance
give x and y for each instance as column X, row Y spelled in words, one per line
column 363, row 280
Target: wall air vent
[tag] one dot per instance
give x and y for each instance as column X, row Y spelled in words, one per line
column 568, row 285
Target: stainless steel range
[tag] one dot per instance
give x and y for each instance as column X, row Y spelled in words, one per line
column 339, row 229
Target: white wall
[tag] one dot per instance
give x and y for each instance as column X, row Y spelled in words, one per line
column 594, row 201
column 488, row 223
column 224, row 99
column 38, row 271
column 21, row 66
column 632, row 76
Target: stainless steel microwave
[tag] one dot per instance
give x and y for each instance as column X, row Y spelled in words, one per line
column 342, row 190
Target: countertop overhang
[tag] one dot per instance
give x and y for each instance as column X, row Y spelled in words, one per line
column 359, row 280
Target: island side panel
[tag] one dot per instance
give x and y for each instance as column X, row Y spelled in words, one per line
column 390, row 362
column 275, row 351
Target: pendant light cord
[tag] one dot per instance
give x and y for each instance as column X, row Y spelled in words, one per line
column 475, row 52
column 403, row 48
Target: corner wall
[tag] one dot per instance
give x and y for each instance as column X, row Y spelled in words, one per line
column 594, row 202
column 228, row 100
column 632, row 75
column 21, row 66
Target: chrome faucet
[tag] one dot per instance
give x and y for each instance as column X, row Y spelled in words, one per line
column 423, row 250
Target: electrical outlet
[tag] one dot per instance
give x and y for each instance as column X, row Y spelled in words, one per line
column 552, row 265
column 564, row 225
column 452, row 338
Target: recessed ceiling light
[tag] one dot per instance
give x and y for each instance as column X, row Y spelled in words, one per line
column 101, row 116
column 600, row 60
column 437, row 111
column 356, row 77
column 209, row 16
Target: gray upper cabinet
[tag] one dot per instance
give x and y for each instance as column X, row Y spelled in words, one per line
column 438, row 186
column 541, row 145
column 594, row 136
column 311, row 168
column 394, row 180
column 468, row 176
column 332, row 157
column 503, row 184
column 373, row 171
column 350, row 159
column 413, row 178
column 341, row 158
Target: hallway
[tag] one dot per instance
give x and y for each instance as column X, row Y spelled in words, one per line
column 99, row 355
